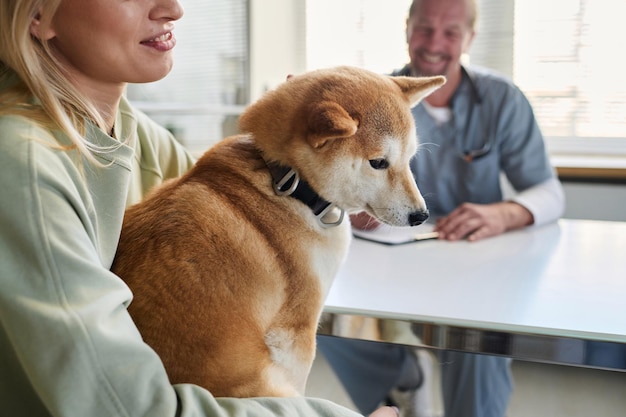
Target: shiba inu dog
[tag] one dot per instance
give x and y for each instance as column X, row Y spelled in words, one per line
column 230, row 263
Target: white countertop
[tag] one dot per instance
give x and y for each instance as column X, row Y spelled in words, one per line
column 566, row 280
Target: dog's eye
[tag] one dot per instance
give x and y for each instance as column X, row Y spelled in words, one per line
column 379, row 163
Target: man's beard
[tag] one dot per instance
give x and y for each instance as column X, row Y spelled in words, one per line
column 420, row 72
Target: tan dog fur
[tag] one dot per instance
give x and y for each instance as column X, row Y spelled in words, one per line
column 228, row 277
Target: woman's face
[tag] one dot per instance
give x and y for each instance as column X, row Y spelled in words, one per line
column 114, row 41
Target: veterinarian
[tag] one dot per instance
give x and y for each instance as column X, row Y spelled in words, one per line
column 475, row 127
column 73, row 154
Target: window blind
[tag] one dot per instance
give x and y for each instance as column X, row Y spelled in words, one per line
column 568, row 59
column 208, row 85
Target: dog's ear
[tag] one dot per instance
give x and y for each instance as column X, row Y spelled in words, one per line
column 328, row 121
column 416, row 88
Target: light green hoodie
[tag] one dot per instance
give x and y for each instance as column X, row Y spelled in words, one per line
column 67, row 344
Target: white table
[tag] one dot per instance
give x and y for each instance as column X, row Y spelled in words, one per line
column 543, row 294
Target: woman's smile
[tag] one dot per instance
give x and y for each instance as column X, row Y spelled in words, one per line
column 163, row 42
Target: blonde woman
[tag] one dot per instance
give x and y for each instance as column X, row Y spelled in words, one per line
column 73, row 154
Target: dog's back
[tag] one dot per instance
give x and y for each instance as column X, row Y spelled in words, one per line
column 228, row 276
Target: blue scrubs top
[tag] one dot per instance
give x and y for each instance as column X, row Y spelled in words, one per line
column 490, row 116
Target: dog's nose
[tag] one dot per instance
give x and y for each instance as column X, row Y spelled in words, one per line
column 418, row 217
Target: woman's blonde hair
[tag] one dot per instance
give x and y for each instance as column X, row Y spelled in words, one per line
column 28, row 69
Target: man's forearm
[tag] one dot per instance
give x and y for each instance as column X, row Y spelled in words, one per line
column 514, row 215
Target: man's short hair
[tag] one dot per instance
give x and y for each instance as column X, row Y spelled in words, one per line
column 472, row 9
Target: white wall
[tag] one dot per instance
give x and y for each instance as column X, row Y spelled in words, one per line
column 277, row 43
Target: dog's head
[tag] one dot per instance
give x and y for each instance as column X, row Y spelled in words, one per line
column 350, row 134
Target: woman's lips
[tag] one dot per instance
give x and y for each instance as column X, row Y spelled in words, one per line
column 163, row 42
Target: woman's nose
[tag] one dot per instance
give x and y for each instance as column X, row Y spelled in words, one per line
column 167, row 9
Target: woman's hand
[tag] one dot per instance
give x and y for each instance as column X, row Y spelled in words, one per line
column 386, row 412
column 364, row 221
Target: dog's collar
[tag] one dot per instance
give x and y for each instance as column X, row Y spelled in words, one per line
column 287, row 182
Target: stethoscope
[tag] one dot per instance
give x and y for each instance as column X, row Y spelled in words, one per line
column 468, row 155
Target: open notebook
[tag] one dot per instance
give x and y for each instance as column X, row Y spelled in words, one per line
column 390, row 235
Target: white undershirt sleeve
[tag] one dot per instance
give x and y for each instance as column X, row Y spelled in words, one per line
column 546, row 201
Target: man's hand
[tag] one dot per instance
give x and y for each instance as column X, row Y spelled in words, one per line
column 363, row 221
column 479, row 221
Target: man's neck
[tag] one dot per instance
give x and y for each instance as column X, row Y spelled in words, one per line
column 442, row 96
